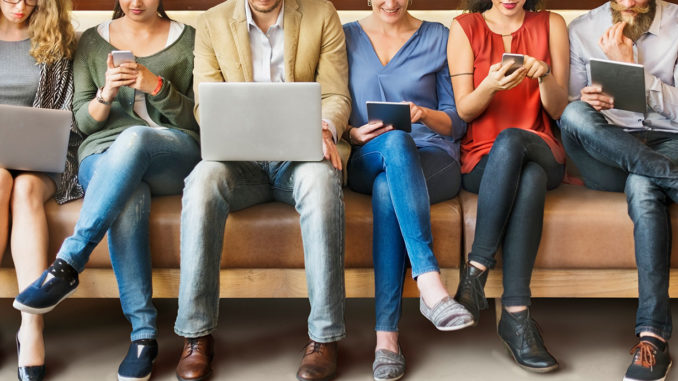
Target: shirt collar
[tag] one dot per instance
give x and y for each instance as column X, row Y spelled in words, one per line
column 250, row 20
column 656, row 23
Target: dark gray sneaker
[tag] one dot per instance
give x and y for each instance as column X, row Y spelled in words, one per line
column 651, row 361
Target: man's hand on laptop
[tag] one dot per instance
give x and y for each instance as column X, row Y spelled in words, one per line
column 329, row 148
column 595, row 96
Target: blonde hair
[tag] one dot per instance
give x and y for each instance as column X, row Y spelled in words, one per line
column 50, row 30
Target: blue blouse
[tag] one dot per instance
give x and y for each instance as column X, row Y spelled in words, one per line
column 417, row 73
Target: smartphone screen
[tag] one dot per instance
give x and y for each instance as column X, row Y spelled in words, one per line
column 517, row 59
column 121, row 56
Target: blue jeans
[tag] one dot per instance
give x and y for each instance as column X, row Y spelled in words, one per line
column 403, row 180
column 214, row 189
column 142, row 161
column 511, row 182
column 641, row 164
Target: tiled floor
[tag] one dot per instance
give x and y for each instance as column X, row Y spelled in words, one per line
column 263, row 339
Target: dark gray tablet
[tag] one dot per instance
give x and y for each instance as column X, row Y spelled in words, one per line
column 394, row 113
column 623, row 81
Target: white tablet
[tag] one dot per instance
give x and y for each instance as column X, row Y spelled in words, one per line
column 623, row 81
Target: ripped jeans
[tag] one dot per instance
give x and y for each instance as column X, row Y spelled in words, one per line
column 119, row 182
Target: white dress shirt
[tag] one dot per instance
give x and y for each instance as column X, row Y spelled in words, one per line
column 657, row 50
column 268, row 53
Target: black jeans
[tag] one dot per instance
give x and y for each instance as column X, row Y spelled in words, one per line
column 643, row 165
column 511, row 183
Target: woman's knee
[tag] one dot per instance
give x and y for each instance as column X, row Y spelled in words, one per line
column 398, row 145
column 29, row 191
column 533, row 178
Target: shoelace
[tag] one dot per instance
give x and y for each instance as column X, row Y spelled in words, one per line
column 530, row 332
column 194, row 345
column 315, row 347
column 646, row 354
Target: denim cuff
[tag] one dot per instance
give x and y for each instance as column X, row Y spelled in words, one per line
column 663, row 333
column 515, row 301
column 327, row 339
column 424, row 270
column 194, row 335
column 144, row 336
column 385, row 328
column 487, row 262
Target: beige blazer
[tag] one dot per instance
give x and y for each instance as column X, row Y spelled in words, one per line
column 315, row 51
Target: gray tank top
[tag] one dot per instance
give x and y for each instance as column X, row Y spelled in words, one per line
column 19, row 73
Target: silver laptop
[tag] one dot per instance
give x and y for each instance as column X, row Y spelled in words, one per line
column 34, row 139
column 260, row 121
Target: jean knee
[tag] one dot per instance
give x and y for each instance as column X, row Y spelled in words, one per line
column 533, row 178
column 642, row 195
column 509, row 142
column 319, row 182
column 204, row 181
column 398, row 143
column 574, row 117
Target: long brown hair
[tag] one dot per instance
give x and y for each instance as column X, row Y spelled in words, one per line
column 51, row 32
column 118, row 13
column 474, row 6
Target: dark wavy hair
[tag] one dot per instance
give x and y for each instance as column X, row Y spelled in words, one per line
column 474, row 6
column 117, row 11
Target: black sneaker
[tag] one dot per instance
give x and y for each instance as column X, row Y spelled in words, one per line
column 138, row 363
column 520, row 334
column 55, row 284
column 651, row 361
column 471, row 290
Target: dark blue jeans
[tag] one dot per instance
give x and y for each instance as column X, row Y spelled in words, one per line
column 511, row 183
column 403, row 180
column 641, row 164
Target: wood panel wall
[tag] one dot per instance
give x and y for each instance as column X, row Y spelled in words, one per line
column 339, row 4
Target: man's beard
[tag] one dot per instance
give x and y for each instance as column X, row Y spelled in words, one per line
column 266, row 10
column 636, row 25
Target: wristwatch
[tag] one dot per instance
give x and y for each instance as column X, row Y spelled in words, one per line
column 100, row 98
column 548, row 71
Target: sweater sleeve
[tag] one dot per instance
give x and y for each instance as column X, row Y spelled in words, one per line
column 85, row 87
column 174, row 105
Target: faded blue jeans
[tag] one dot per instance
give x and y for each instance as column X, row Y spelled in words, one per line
column 119, row 182
column 643, row 165
column 403, row 180
column 214, row 189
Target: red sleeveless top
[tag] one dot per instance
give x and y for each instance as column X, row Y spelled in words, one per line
column 519, row 107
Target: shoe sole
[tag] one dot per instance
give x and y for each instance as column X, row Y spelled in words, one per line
column 203, row 378
column 39, row 311
column 122, row 378
column 665, row 378
column 456, row 327
column 389, row 379
column 328, row 378
column 529, row 368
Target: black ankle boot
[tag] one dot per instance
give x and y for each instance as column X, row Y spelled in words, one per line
column 471, row 290
column 520, row 334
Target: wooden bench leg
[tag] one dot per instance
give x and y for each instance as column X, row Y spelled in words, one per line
column 497, row 310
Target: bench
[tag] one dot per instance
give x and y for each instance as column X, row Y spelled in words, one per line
column 586, row 248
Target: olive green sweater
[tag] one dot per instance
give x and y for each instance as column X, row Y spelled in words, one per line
column 172, row 107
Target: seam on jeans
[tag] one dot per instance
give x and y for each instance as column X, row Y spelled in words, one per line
column 427, row 178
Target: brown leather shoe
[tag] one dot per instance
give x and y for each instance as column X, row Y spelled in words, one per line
column 194, row 364
column 319, row 362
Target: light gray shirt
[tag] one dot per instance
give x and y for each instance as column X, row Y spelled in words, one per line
column 268, row 49
column 19, row 73
column 657, row 50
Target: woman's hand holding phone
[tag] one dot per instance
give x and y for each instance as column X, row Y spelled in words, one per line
column 365, row 133
column 498, row 80
column 118, row 76
column 535, row 68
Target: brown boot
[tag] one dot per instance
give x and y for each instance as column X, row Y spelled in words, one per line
column 194, row 364
column 319, row 362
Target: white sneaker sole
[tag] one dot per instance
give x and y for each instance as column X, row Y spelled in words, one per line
column 665, row 378
column 121, row 378
column 39, row 311
column 455, row 328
